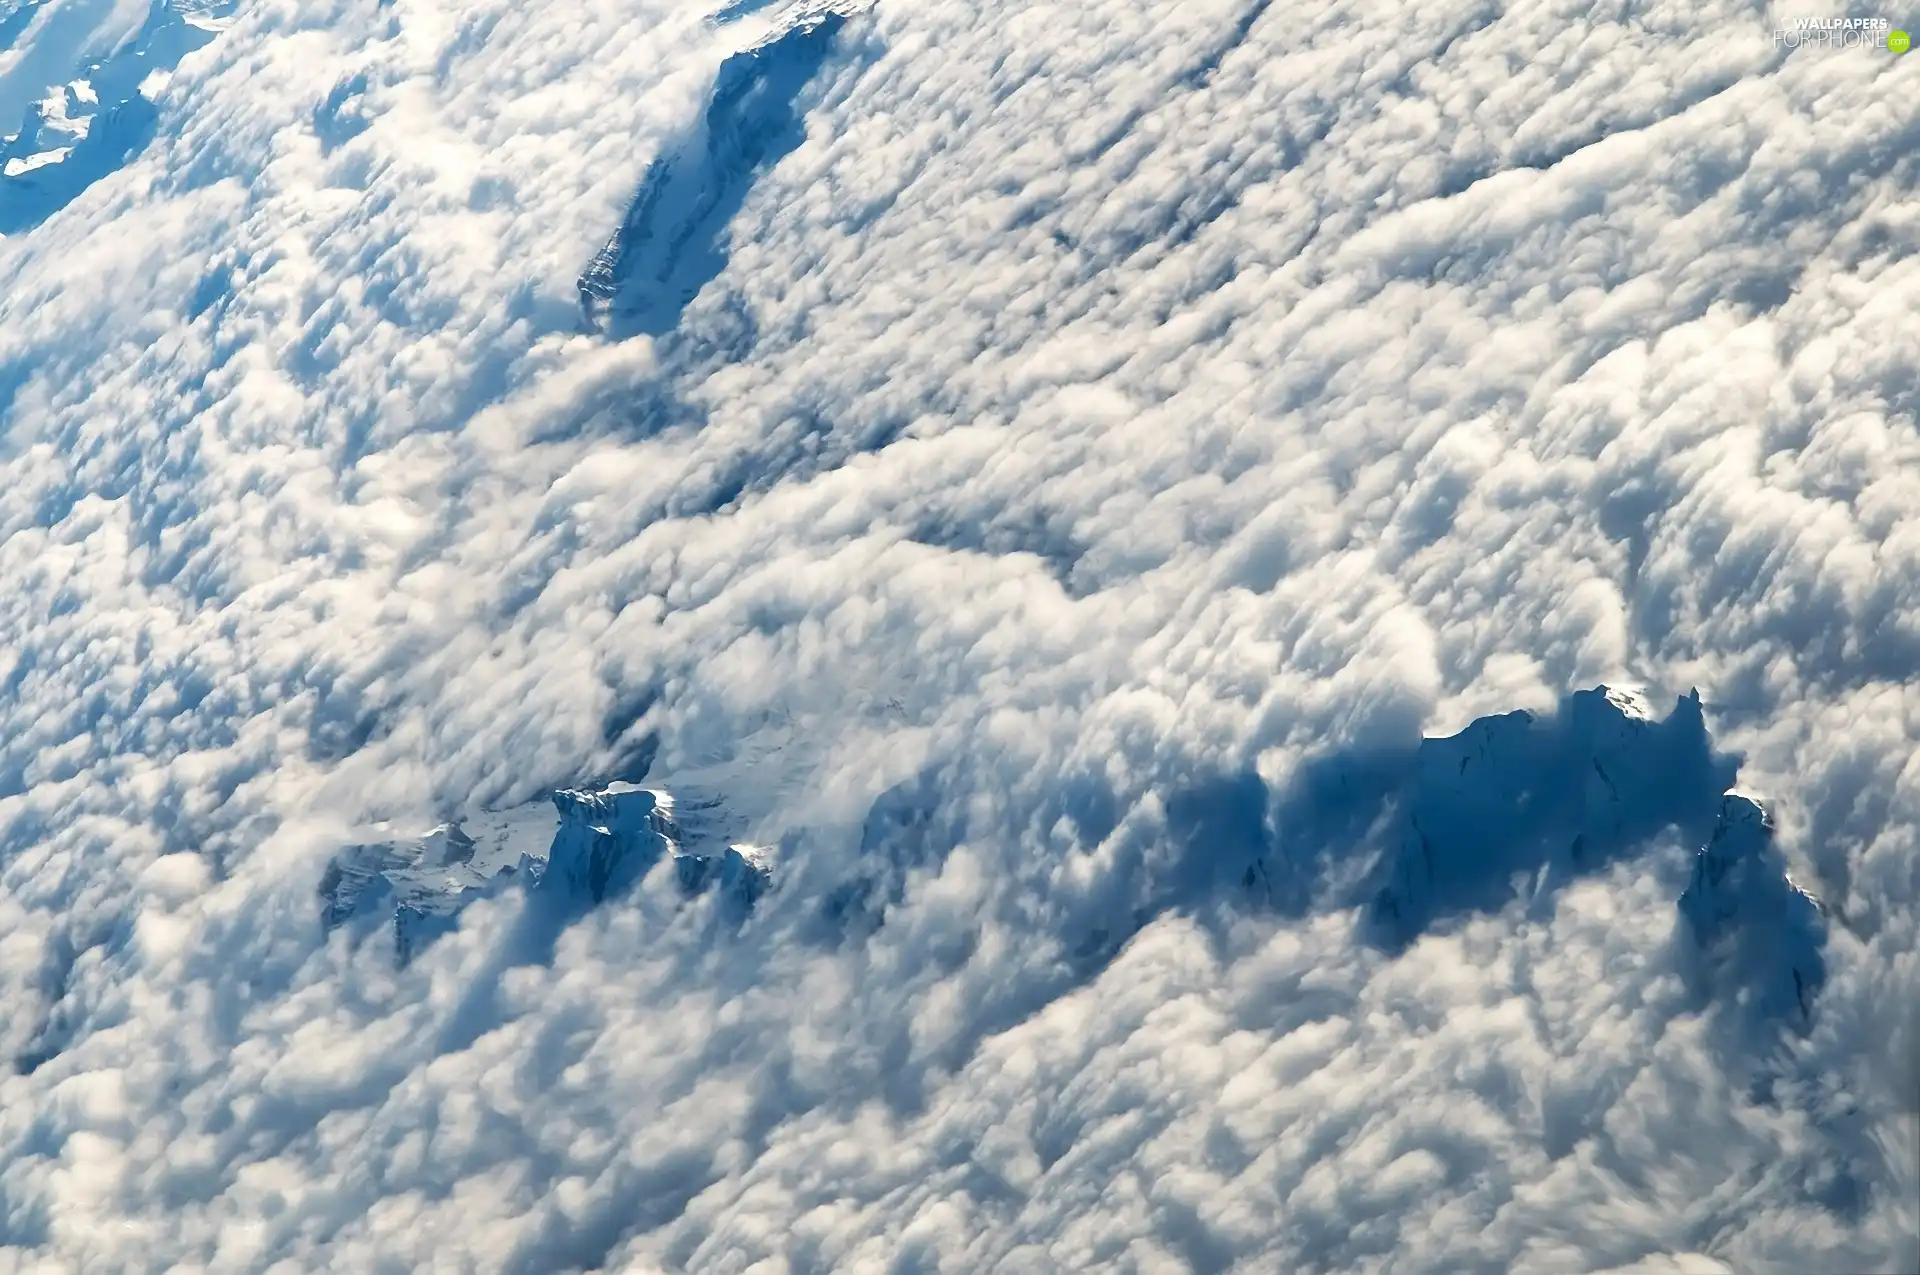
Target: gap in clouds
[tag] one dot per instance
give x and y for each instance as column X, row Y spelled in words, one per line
column 673, row 240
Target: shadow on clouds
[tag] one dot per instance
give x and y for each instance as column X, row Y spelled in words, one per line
column 1417, row 837
column 1417, row 841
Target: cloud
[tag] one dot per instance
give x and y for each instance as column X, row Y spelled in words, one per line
column 1102, row 402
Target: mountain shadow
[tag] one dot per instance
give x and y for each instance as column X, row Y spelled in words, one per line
column 673, row 240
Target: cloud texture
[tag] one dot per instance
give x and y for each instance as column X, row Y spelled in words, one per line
column 1101, row 399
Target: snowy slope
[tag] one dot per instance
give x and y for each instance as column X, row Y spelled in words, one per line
column 1545, row 798
column 673, row 239
column 1743, row 907
column 90, row 125
column 579, row 847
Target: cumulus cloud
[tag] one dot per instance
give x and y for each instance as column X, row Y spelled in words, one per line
column 1099, row 404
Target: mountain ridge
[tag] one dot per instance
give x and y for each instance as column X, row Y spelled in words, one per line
column 1514, row 799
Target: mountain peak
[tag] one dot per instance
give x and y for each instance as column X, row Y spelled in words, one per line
column 1518, row 793
column 582, row 846
column 1550, row 797
column 1749, row 916
column 675, row 237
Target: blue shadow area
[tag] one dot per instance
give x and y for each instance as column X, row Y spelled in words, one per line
column 1415, row 837
column 673, row 240
column 1517, row 796
column 118, row 121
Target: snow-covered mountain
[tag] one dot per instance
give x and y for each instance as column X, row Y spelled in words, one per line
column 1522, row 800
column 1745, row 910
column 1513, row 800
column 714, row 820
column 673, row 239
column 579, row 846
column 1545, row 798
column 88, row 126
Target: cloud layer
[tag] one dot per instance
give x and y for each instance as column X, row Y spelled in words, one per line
column 1101, row 400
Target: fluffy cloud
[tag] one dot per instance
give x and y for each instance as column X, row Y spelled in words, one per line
column 1102, row 399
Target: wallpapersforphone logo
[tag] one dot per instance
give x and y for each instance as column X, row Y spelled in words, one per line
column 1841, row 33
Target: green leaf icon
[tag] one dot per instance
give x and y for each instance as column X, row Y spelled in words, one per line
column 1898, row 41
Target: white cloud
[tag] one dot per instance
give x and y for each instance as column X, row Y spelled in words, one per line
column 1130, row 405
